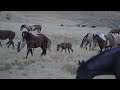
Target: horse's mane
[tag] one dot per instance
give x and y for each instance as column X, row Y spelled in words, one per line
column 84, row 39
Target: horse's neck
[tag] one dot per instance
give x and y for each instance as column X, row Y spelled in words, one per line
column 100, row 40
column 102, row 36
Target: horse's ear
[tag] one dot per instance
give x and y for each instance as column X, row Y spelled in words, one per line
column 79, row 62
column 83, row 61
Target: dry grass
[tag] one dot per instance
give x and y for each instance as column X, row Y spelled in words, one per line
column 70, row 68
column 5, row 66
column 66, row 64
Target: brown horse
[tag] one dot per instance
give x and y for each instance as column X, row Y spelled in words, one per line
column 65, row 46
column 31, row 27
column 7, row 34
column 21, row 44
column 114, row 31
column 35, row 41
column 108, row 42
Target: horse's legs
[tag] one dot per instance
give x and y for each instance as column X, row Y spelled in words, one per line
column 28, row 53
column 89, row 45
column 12, row 44
column 61, row 50
column 43, row 52
column 8, row 43
column 69, row 50
column 31, row 52
column 65, row 50
column 86, row 45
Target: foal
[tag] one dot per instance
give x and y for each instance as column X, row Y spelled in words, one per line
column 65, row 46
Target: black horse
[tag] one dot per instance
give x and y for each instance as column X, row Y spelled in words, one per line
column 105, row 63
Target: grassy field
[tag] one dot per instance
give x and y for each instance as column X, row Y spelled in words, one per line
column 54, row 65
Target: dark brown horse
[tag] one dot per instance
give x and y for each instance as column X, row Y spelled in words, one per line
column 21, row 44
column 65, row 46
column 31, row 27
column 7, row 34
column 35, row 41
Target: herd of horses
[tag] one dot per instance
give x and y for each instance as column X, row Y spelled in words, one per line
column 106, row 62
column 104, row 41
column 32, row 40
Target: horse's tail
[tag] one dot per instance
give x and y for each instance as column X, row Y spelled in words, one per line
column 49, row 44
column 83, row 40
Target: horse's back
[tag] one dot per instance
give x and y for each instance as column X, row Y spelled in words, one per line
column 66, row 45
column 104, row 60
column 4, row 34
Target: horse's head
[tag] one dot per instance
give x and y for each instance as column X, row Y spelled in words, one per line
column 26, row 35
column 20, row 45
column 22, row 26
column 83, row 71
column 95, row 37
column 80, row 69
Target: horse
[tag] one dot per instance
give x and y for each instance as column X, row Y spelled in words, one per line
column 65, row 46
column 21, row 44
column 104, row 41
column 105, row 63
column 111, row 41
column 7, row 34
column 87, row 40
column 114, row 31
column 33, row 41
column 31, row 27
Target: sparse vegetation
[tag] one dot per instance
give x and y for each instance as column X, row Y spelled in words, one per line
column 54, row 64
